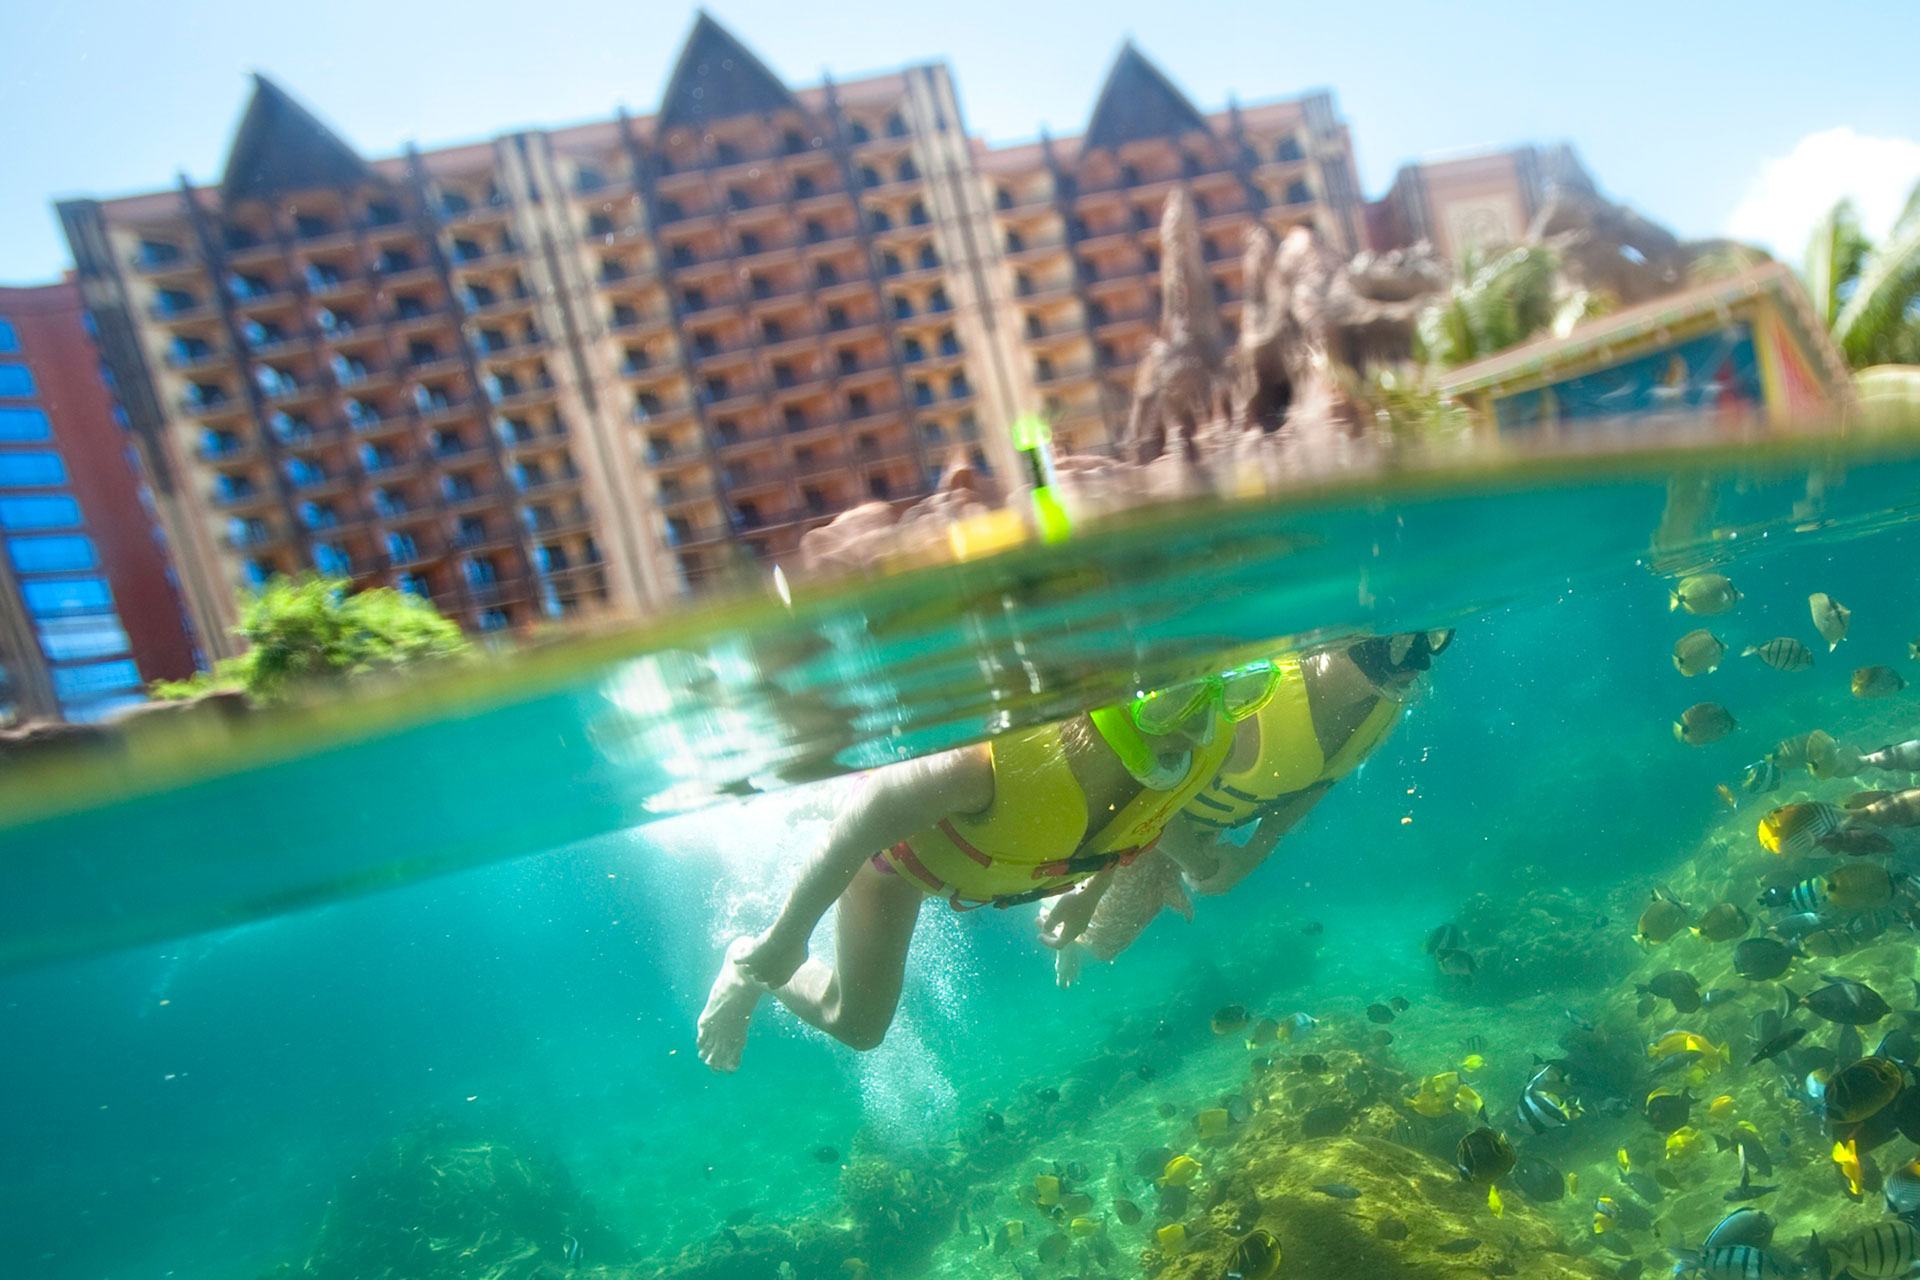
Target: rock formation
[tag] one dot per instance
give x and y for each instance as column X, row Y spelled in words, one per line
column 1180, row 388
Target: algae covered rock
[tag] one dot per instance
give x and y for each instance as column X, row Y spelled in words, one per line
column 1387, row 1213
column 445, row 1203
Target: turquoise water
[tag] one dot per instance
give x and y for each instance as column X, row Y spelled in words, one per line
column 484, row 917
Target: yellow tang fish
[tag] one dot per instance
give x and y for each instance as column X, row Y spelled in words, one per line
column 1685, row 1141
column 1468, row 1103
column 1172, row 1238
column 1472, row 1062
column 1676, row 1042
column 1573, row 1184
column 1046, row 1189
column 1722, row 1107
column 1626, row 1161
column 1495, row 1203
column 1180, row 1171
column 1084, row 1227
column 1847, row 1156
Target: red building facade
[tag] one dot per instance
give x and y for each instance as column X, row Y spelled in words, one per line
column 92, row 612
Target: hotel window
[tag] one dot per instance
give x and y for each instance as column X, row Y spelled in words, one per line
column 816, row 230
column 1287, row 150
column 39, row 513
column 1299, row 192
column 9, row 340
column 804, row 186
column 64, row 596
column 64, row 554
column 858, row 132
column 31, row 470
column 16, row 380
column 73, row 639
column 95, row 678
column 24, row 424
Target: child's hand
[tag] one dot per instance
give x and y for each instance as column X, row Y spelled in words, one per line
column 774, row 958
column 1067, row 917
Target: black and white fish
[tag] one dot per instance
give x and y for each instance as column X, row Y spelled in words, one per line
column 1541, row 1110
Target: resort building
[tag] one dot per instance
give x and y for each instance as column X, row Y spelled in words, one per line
column 592, row 368
column 88, row 613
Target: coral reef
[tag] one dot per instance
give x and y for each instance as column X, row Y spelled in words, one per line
column 445, row 1203
column 1383, row 1190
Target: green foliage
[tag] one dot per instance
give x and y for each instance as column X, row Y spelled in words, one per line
column 1499, row 304
column 1411, row 409
column 1869, row 294
column 312, row 631
column 1889, row 395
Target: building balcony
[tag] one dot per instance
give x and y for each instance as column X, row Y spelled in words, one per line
column 207, row 407
column 418, row 322
column 743, row 480
column 383, row 425
column 1030, row 251
column 180, row 312
column 404, row 277
column 482, row 213
column 508, row 304
column 257, row 253
column 696, row 535
column 1064, row 375
column 735, row 399
column 579, row 580
column 212, row 357
column 444, row 364
column 424, row 551
column 537, row 441
column 237, row 449
column 794, row 343
column 1043, row 294
column 164, row 261
column 665, row 414
column 539, row 393
column 484, row 495
column 813, row 467
column 547, row 486
column 859, row 286
column 744, row 441
column 255, row 498
column 652, row 318
column 685, row 494
column 433, row 414
column 266, row 533
column 570, row 517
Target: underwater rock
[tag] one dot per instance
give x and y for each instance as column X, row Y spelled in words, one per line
column 1539, row 940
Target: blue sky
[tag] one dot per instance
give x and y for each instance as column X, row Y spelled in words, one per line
column 1709, row 117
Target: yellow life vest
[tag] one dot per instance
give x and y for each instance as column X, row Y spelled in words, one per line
column 1032, row 842
column 1289, row 759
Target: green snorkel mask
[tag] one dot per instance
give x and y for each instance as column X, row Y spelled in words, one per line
column 1231, row 696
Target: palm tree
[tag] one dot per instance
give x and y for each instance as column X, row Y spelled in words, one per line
column 1867, row 294
column 1501, row 303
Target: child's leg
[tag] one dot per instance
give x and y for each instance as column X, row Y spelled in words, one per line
column 854, row 1001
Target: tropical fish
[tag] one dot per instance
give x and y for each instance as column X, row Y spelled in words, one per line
column 1680, row 988
column 1844, row 1001
column 1702, row 723
column 1483, row 1157
column 1903, row 757
column 1265, row 1031
column 1902, row 1188
column 1792, row 829
column 1684, row 1142
column 1437, row 1094
column 1472, row 1062
column 1860, row 886
column 1745, row 1139
column 1902, row 809
column 826, row 1155
column 1862, row 1089
column 1760, row 777
column 1667, row 1110
column 1732, row 1262
column 1697, row 653
column 1465, row 1244
column 1400, row 1004
column 1856, row 843
column 1777, row 1045
column 1337, row 1190
column 1228, row 1018
column 1540, row 1110
column 1255, row 1258
column 573, row 1251
column 1212, row 1122
column 1379, row 1013
column 1180, row 1171
column 1717, row 996
column 1127, row 1211
column 1053, row 1250
column 1446, row 937
column 1808, row 895
column 1884, row 1249
column 1663, row 918
column 1877, row 682
column 1723, row 923
column 1783, row 653
column 1846, row 1155
column 1081, row 1228
column 1827, row 758
column 1455, row 963
column 1172, row 1239
column 1046, row 1190
column 1703, row 594
column 1830, row 618
column 1747, row 1225
column 1723, row 1107
column 1469, row 1104
column 1678, row 1042
column 1539, row 1181
column 1295, row 1025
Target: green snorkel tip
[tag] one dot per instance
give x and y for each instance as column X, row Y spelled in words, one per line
column 1033, row 441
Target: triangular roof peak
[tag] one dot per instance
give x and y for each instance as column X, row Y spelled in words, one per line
column 717, row 77
column 281, row 147
column 1139, row 101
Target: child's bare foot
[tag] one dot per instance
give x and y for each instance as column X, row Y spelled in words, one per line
column 722, row 1029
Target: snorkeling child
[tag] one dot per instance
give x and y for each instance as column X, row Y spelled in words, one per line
column 1328, row 713
column 1019, row 819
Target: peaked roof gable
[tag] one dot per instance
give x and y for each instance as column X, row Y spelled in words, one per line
column 282, row 147
column 716, row 78
column 1138, row 101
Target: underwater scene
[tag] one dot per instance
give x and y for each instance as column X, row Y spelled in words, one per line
column 1491, row 874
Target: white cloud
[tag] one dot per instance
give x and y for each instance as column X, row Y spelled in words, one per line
column 1792, row 192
